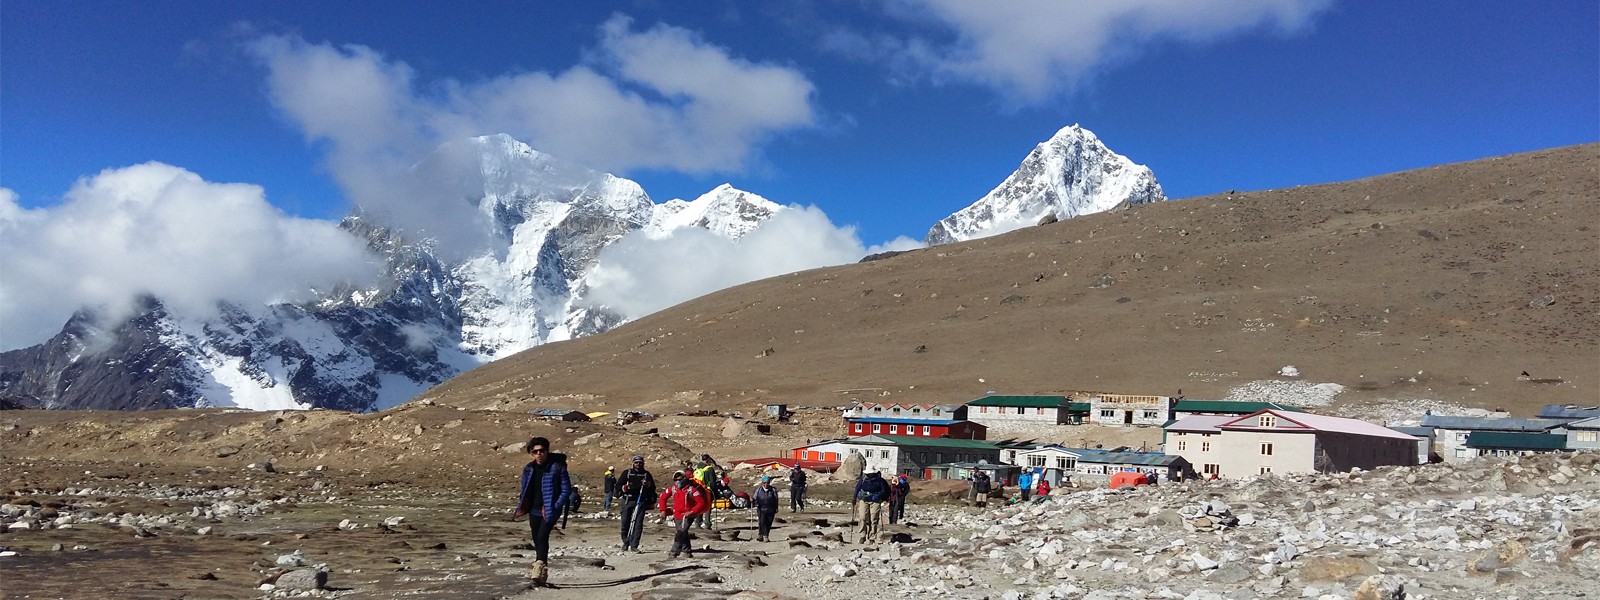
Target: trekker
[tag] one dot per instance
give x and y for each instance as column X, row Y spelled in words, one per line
column 766, row 503
column 1044, row 488
column 797, row 489
column 610, row 487
column 897, row 504
column 1024, row 485
column 545, row 485
column 706, row 477
column 637, row 489
column 980, row 489
column 574, row 504
column 686, row 501
column 871, row 492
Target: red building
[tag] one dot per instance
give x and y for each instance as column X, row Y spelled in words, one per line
column 928, row 428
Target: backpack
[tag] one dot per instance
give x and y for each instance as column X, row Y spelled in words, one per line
column 874, row 489
column 980, row 482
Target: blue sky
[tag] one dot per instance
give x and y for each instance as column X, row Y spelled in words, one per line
column 887, row 116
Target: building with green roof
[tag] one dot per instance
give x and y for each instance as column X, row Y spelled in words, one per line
column 1023, row 410
column 1503, row 443
column 1188, row 408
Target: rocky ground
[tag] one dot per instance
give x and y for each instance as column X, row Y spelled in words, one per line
column 1496, row 528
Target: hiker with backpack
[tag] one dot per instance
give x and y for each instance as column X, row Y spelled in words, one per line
column 686, row 500
column 980, row 489
column 797, row 489
column 545, row 486
column 765, row 500
column 637, row 489
column 871, row 492
column 899, row 489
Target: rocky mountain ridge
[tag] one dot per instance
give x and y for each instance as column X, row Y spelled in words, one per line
column 435, row 314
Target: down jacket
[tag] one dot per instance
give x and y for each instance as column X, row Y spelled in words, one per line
column 555, row 487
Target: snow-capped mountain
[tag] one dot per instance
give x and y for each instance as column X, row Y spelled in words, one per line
column 542, row 224
column 1069, row 175
column 432, row 317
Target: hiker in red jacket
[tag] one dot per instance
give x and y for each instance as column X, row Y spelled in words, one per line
column 687, row 501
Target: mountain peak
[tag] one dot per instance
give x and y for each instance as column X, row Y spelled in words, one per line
column 1068, row 175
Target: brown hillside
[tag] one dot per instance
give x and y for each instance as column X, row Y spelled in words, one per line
column 1442, row 283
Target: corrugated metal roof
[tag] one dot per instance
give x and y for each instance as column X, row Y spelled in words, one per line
column 1421, row 432
column 1568, row 411
column 1200, row 423
column 1082, row 407
column 1584, row 424
column 1322, row 423
column 1500, row 440
column 1148, row 459
column 1030, row 401
column 1488, row 424
column 1229, row 407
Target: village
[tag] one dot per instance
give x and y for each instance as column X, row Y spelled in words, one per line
column 1003, row 436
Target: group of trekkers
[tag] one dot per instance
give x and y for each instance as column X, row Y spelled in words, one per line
column 547, row 495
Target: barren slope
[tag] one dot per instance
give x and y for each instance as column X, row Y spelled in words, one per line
column 1441, row 283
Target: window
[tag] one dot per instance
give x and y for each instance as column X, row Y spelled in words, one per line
column 1266, row 470
column 895, row 410
column 877, row 409
column 1269, row 421
column 1038, row 411
column 922, row 456
column 1585, row 436
column 1021, row 410
column 1461, row 436
column 883, row 454
column 1108, row 413
column 1266, row 448
column 1065, row 463
column 916, row 411
column 858, row 428
column 1151, row 414
column 1035, row 461
column 982, row 409
column 1211, row 468
column 877, row 428
column 938, row 457
column 1013, row 455
column 1205, row 446
column 1182, row 445
column 935, row 412
column 926, row 430
column 894, row 428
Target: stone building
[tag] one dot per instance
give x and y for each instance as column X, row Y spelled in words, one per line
column 1125, row 409
column 1450, row 433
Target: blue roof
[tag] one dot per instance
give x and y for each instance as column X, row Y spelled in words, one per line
column 1568, row 411
column 1149, row 459
column 1488, row 424
column 901, row 421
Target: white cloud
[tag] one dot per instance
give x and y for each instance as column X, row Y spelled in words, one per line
column 639, row 274
column 1031, row 50
column 160, row 230
column 660, row 98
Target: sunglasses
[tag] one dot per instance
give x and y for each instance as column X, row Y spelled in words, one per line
column 536, row 451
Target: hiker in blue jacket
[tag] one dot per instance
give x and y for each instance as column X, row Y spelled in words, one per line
column 545, row 489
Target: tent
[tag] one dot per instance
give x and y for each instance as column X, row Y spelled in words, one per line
column 1127, row 478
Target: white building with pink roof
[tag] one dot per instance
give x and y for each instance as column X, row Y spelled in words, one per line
column 1274, row 441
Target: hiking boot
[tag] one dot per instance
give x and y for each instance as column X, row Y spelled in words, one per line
column 539, row 573
column 687, row 554
column 672, row 555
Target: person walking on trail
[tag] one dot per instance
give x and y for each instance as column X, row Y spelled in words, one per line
column 1024, row 485
column 900, row 489
column 610, row 487
column 544, row 490
column 706, row 477
column 574, row 504
column 980, row 489
column 797, row 489
column 871, row 492
column 686, row 501
column 637, row 489
column 766, row 503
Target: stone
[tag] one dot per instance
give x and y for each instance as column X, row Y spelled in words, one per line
column 303, row 580
column 227, row 451
column 1380, row 587
column 1230, row 573
column 1203, row 563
